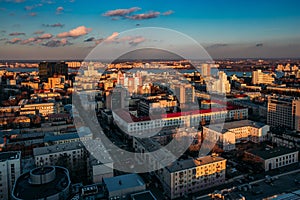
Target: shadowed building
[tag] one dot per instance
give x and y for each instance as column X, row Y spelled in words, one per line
column 43, row 183
column 49, row 69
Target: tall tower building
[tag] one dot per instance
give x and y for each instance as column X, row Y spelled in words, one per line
column 284, row 112
column 185, row 94
column 49, row 69
column 219, row 85
column 10, row 170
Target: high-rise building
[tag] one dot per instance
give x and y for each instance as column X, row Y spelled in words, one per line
column 220, row 85
column 284, row 112
column 10, row 170
column 117, row 98
column 258, row 77
column 205, row 70
column 185, row 94
column 49, row 69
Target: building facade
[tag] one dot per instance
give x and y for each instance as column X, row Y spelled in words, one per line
column 192, row 175
column 272, row 158
column 284, row 112
column 258, row 77
column 230, row 133
column 10, row 170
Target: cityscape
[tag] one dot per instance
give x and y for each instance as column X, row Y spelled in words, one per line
column 170, row 101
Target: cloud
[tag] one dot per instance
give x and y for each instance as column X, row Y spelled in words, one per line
column 59, row 10
column 137, row 40
column 14, row 41
column 57, row 43
column 54, row 25
column 15, row 1
column 16, row 34
column 79, row 31
column 113, row 38
column 38, row 32
column 120, row 12
column 218, row 45
column 45, row 36
column 32, row 14
column 29, row 40
column 28, row 8
column 259, row 45
column 169, row 12
column 89, row 39
column 148, row 15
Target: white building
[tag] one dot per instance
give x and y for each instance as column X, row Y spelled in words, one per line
column 192, row 175
column 272, row 158
column 131, row 124
column 219, row 85
column 230, row 133
column 74, row 153
column 258, row 77
column 98, row 170
column 10, row 170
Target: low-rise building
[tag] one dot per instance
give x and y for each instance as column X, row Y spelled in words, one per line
column 120, row 187
column 71, row 154
column 272, row 158
column 230, row 133
column 43, row 183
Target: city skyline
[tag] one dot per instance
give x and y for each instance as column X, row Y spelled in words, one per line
column 43, row 30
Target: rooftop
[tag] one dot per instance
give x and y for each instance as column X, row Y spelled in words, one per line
column 268, row 153
column 235, row 124
column 129, row 118
column 24, row 190
column 192, row 163
column 145, row 195
column 10, row 155
column 123, row 182
column 57, row 148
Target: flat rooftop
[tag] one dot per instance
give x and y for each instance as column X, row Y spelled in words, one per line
column 192, row 163
column 268, row 153
column 24, row 190
column 10, row 155
column 235, row 124
column 123, row 182
column 129, row 118
column 57, row 148
column 146, row 195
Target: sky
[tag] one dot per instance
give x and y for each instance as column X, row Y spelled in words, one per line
column 71, row 29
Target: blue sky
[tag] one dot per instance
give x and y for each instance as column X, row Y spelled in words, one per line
column 225, row 28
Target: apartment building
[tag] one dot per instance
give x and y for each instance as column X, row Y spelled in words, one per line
column 258, row 77
column 73, row 154
column 284, row 112
column 192, row 175
column 230, row 133
column 10, row 170
column 44, row 109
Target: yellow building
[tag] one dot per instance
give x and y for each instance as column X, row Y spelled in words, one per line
column 192, row 175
